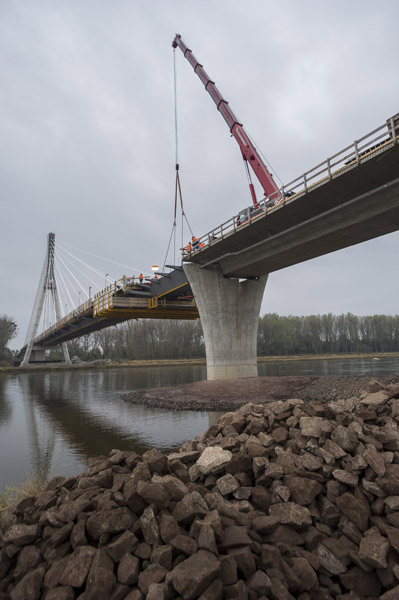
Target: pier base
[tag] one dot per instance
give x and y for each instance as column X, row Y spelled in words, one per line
column 229, row 311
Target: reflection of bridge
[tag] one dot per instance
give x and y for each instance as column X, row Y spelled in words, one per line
column 350, row 198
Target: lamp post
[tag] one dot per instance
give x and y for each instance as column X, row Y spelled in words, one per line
column 105, row 280
column 89, row 292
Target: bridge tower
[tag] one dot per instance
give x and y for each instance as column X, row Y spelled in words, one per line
column 229, row 309
column 48, row 284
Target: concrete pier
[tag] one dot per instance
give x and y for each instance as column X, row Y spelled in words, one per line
column 229, row 311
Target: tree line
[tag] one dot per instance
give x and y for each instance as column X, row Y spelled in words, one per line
column 277, row 336
column 8, row 331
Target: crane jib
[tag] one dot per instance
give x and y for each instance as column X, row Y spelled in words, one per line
column 247, row 148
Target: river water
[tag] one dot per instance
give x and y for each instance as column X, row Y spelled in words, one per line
column 51, row 422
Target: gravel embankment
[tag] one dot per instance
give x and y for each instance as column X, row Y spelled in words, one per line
column 233, row 393
column 278, row 501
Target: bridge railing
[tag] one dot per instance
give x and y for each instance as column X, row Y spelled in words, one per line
column 358, row 152
column 91, row 306
column 84, row 308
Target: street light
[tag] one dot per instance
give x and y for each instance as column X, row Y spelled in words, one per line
column 89, row 292
column 106, row 275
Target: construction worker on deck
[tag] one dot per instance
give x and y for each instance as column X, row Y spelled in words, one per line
column 141, row 277
column 188, row 248
column 195, row 243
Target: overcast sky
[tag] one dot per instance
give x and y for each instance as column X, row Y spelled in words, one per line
column 87, row 142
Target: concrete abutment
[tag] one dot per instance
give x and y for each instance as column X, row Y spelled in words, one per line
column 229, row 311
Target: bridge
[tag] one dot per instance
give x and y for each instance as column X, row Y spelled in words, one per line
column 349, row 198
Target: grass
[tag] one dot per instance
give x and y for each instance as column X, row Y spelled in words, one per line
column 14, row 493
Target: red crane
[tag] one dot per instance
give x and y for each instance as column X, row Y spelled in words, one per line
column 248, row 150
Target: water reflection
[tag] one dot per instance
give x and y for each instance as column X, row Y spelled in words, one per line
column 338, row 366
column 51, row 422
column 64, row 417
column 5, row 405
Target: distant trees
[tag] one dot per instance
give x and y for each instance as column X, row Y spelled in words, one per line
column 277, row 336
column 142, row 340
column 8, row 330
column 328, row 333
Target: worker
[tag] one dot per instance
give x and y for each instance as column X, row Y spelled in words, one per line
column 141, row 277
column 188, row 248
column 195, row 243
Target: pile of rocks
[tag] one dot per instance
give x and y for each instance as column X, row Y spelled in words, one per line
column 277, row 501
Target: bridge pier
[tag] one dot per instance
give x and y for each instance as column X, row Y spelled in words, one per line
column 229, row 311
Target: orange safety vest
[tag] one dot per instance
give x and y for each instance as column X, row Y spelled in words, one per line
column 188, row 247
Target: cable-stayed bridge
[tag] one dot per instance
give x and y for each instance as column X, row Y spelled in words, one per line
column 349, row 198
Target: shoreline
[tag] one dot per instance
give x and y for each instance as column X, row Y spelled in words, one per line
column 280, row 497
column 109, row 364
column 230, row 395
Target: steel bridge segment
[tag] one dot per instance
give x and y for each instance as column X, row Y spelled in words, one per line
column 168, row 297
column 364, row 197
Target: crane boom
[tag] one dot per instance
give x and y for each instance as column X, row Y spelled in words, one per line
column 248, row 150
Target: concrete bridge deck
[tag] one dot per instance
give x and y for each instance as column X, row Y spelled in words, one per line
column 357, row 203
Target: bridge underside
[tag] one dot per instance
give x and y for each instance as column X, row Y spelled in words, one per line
column 358, row 204
column 170, row 297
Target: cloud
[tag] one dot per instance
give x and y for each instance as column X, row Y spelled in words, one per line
column 87, row 129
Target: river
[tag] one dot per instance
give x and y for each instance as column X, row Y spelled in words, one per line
column 52, row 422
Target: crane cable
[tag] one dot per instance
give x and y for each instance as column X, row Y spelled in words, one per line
column 178, row 192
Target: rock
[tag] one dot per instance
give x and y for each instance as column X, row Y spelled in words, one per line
column 126, row 543
column 354, row 510
column 190, row 507
column 149, row 527
column 373, row 550
column 185, row 544
column 109, row 521
column 235, row 536
column 227, row 484
column 191, row 577
column 282, row 516
column 364, row 584
column 375, row 399
column 213, row 460
column 153, row 574
column 153, row 493
column 128, row 569
column 21, row 534
column 345, row 477
column 311, row 426
column 303, row 490
column 29, row 587
column 78, row 566
column 329, row 561
column 290, row 513
column 375, row 460
column 344, row 438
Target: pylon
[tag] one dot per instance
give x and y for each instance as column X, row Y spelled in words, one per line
column 47, row 282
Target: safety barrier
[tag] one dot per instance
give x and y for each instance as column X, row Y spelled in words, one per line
column 361, row 150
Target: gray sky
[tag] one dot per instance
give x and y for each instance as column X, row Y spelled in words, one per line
column 87, row 147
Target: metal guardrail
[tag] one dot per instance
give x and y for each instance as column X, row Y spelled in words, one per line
column 361, row 150
column 121, row 284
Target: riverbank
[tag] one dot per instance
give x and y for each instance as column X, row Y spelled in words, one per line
column 110, row 364
column 230, row 394
column 287, row 499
